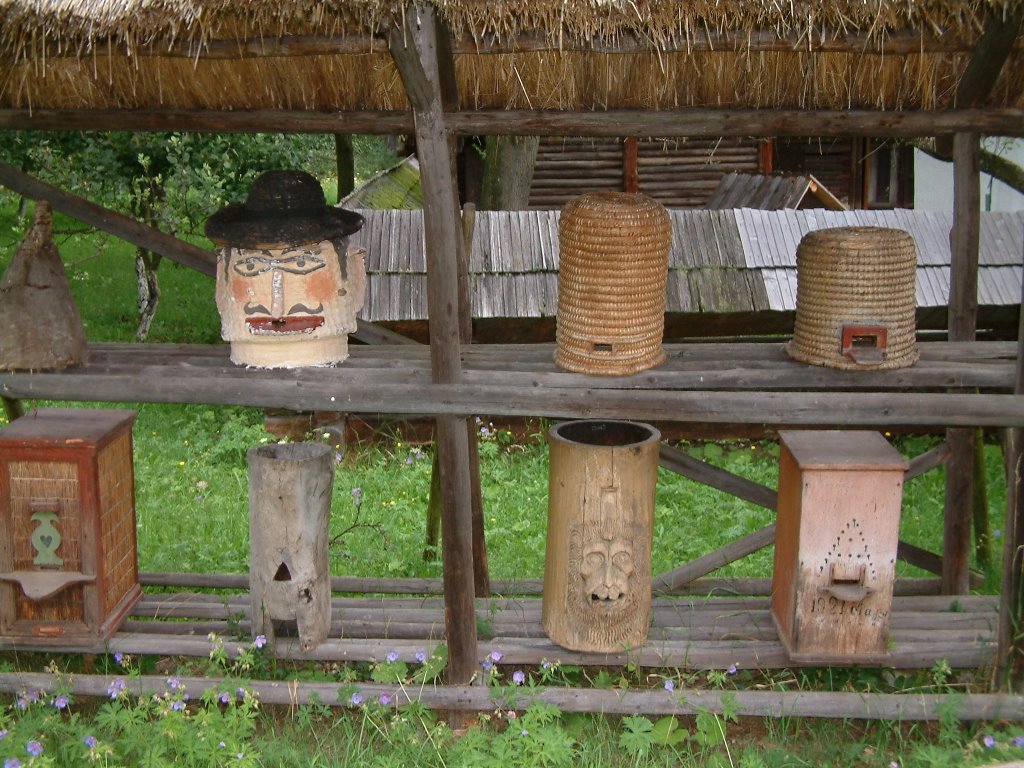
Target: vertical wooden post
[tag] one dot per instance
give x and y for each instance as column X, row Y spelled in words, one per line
column 481, row 577
column 631, row 165
column 963, row 312
column 423, row 57
column 1009, row 638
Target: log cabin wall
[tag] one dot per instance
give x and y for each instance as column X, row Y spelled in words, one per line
column 684, row 173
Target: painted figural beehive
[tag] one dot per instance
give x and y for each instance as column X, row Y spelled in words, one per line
column 613, row 267
column 835, row 544
column 68, row 556
column 855, row 301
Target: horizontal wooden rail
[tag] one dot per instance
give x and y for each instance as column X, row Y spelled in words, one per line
column 690, row 122
column 523, row 381
column 861, row 706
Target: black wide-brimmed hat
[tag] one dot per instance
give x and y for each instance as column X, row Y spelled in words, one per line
column 283, row 208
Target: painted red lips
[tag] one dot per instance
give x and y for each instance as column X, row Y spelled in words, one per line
column 297, row 324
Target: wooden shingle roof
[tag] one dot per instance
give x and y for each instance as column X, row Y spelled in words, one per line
column 725, row 261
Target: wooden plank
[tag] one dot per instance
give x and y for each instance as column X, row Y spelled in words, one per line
column 690, row 122
column 331, row 392
column 810, row 704
column 715, row 477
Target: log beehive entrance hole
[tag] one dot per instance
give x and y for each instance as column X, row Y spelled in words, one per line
column 283, row 574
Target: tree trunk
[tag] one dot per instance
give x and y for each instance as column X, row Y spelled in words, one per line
column 346, row 164
column 146, row 263
column 508, row 172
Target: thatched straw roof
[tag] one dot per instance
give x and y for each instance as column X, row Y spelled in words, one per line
column 510, row 54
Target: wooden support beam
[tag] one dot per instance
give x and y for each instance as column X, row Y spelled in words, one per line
column 428, row 73
column 693, row 122
column 125, row 227
column 825, row 40
column 813, row 704
column 715, row 477
column 1010, row 631
column 678, row 578
column 963, row 313
column 982, row 71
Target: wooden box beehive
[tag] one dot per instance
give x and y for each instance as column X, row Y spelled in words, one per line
column 68, row 556
column 835, row 544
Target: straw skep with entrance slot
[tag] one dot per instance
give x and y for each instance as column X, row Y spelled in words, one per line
column 855, row 301
column 613, row 268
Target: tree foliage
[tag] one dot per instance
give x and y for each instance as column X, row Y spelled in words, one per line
column 173, row 181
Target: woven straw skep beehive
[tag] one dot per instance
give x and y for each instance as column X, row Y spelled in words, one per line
column 613, row 267
column 861, row 279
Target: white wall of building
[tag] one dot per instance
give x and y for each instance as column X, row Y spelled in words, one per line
column 933, row 181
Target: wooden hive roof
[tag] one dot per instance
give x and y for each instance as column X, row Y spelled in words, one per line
column 723, row 261
column 333, row 55
column 772, row 192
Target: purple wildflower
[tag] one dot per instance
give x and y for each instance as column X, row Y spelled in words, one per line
column 421, row 656
column 357, row 699
column 519, row 677
column 173, row 683
column 61, row 702
column 90, row 741
column 177, row 705
column 392, row 656
column 989, row 741
column 670, row 685
column 487, row 664
column 225, row 698
column 21, row 703
column 496, row 656
column 12, row 762
column 34, row 748
column 33, row 696
column 117, row 687
column 409, row 460
column 1017, row 741
column 524, row 732
column 731, row 670
column 3, row 734
column 357, row 496
column 119, row 658
column 385, row 699
column 240, row 692
column 260, row 641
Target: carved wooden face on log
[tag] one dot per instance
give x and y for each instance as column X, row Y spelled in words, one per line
column 609, row 570
column 606, row 567
column 290, row 306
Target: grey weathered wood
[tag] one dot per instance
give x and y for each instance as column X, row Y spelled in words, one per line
column 701, row 566
column 708, row 474
column 342, row 393
column 963, row 313
column 427, row 68
column 692, row 122
column 129, row 229
column 1010, row 655
column 894, row 707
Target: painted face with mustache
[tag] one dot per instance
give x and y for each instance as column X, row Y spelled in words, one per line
column 290, row 306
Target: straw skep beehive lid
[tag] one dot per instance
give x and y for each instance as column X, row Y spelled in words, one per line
column 613, row 267
column 855, row 299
